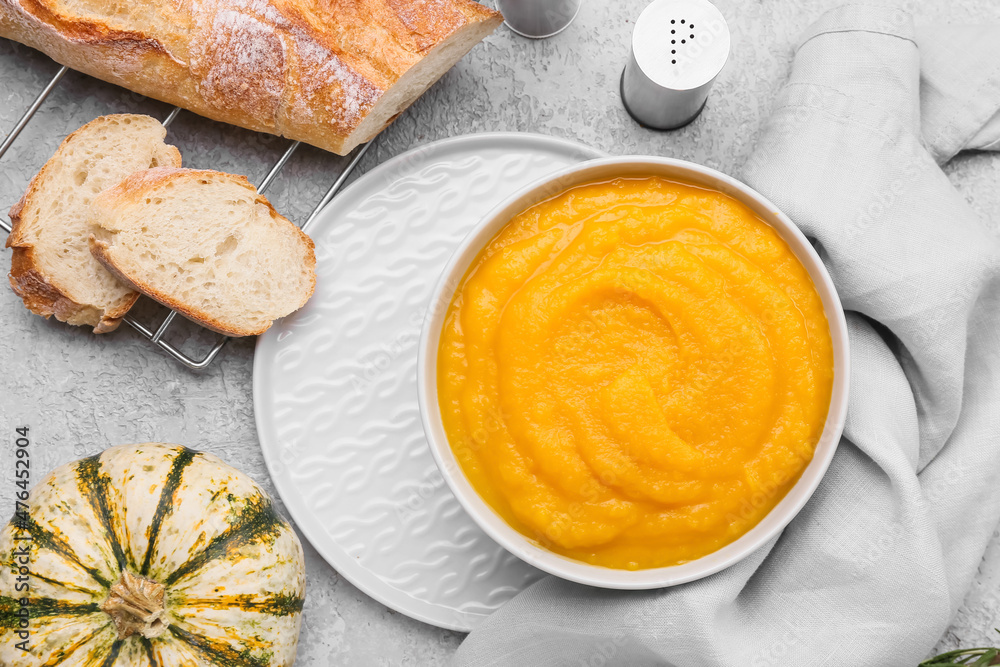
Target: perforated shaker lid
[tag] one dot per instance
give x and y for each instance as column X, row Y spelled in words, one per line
column 681, row 44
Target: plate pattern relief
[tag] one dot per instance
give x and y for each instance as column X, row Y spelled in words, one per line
column 335, row 390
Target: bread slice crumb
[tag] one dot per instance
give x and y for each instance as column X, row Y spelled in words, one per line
column 206, row 244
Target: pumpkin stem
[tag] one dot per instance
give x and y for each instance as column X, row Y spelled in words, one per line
column 136, row 606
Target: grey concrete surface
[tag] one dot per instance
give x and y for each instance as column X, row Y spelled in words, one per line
column 80, row 393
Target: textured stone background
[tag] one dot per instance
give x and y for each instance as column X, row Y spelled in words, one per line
column 80, row 393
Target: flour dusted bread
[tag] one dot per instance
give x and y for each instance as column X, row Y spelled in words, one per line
column 206, row 244
column 52, row 268
column 332, row 73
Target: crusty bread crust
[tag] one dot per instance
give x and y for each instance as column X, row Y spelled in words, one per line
column 43, row 298
column 332, row 73
column 40, row 293
column 135, row 188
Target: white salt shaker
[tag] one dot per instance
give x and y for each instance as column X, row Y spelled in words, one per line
column 678, row 49
column 538, row 19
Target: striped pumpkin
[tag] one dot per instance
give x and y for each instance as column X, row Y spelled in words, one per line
column 150, row 555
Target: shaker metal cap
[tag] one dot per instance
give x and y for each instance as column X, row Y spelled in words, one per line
column 538, row 19
column 678, row 49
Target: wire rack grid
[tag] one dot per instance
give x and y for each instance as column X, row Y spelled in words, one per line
column 156, row 336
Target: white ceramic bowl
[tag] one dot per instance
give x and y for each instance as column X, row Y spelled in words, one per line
column 522, row 546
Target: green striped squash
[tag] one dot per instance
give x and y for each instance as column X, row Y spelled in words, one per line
column 149, row 555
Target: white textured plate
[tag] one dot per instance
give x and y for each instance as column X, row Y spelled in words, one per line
column 335, row 384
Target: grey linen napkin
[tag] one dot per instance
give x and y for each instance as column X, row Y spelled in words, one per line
column 874, row 568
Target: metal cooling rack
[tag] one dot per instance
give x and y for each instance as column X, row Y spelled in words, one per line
column 156, row 336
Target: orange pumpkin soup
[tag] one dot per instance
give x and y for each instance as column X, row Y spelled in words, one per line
column 633, row 373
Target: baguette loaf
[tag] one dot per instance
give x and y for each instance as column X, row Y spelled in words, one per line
column 52, row 268
column 332, row 73
column 205, row 244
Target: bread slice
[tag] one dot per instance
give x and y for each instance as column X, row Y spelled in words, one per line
column 205, row 244
column 52, row 268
